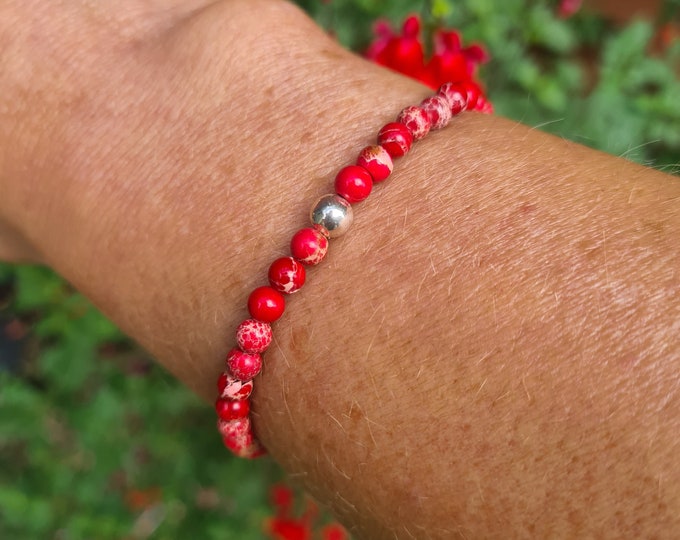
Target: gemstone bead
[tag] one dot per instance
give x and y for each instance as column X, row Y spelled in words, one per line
column 237, row 436
column 309, row 246
column 253, row 336
column 353, row 183
column 266, row 304
column 229, row 409
column 395, row 138
column 416, row 121
column 243, row 365
column 332, row 215
column 456, row 94
column 230, row 387
column 377, row 161
column 473, row 91
column 438, row 111
column 286, row 275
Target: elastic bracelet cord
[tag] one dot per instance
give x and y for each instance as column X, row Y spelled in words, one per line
column 331, row 216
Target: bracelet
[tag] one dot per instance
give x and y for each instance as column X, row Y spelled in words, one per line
column 331, row 216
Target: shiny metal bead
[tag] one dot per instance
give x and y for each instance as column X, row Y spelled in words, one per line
column 332, row 214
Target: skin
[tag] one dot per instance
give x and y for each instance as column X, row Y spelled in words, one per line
column 490, row 352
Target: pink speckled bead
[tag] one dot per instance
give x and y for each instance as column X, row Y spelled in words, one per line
column 416, row 120
column 395, row 138
column 377, row 161
column 243, row 365
column 230, row 387
column 253, row 336
column 456, row 94
column 237, row 436
column 309, row 246
column 438, row 111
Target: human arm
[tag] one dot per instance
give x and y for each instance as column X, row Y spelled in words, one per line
column 491, row 348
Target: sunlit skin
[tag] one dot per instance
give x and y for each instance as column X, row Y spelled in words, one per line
column 490, row 352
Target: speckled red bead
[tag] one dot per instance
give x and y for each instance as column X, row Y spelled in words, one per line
column 243, row 365
column 416, row 121
column 237, row 436
column 377, row 161
column 253, row 336
column 230, row 387
column 438, row 111
column 456, row 94
column 287, row 275
column 395, row 138
column 230, row 409
column 265, row 304
column 309, row 246
column 353, row 183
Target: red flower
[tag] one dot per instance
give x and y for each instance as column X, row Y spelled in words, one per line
column 285, row 526
column 404, row 53
column 568, row 7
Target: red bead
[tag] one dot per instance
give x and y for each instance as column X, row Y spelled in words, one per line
column 473, row 92
column 286, row 275
column 395, row 138
column 484, row 105
column 416, row 120
column 438, row 111
column 253, row 336
column 237, row 436
column 377, row 161
column 266, row 304
column 229, row 387
column 229, row 409
column 353, row 183
column 456, row 94
column 243, row 365
column 309, row 246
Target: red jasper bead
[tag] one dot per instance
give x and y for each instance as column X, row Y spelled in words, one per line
column 266, row 304
column 416, row 120
column 237, row 436
column 438, row 111
column 484, row 105
column 253, row 336
column 309, row 246
column 243, row 365
column 229, row 409
column 353, row 183
column 286, row 275
column 473, row 92
column 395, row 138
column 377, row 161
column 229, row 387
column 456, row 94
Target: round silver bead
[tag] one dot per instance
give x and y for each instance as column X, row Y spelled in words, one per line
column 332, row 214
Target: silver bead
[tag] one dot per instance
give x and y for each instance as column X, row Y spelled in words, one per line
column 332, row 214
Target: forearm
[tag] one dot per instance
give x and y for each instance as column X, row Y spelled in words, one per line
column 491, row 348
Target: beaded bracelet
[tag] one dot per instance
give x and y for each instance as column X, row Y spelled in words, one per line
column 331, row 216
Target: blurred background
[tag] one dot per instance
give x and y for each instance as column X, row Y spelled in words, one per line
column 97, row 442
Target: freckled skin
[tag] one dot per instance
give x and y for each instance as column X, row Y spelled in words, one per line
column 490, row 352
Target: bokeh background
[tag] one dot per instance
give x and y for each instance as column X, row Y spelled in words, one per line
column 97, row 442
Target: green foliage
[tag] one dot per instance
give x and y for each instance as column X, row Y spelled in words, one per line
column 98, row 442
